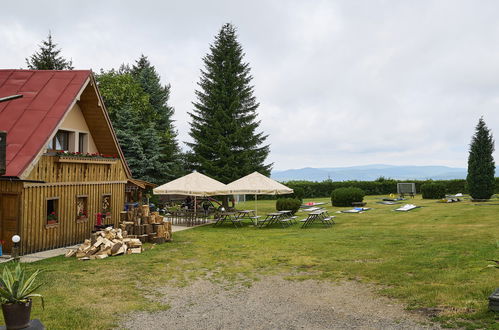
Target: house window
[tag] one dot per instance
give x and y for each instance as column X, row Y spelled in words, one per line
column 52, row 211
column 60, row 142
column 106, row 205
column 82, row 142
column 81, row 208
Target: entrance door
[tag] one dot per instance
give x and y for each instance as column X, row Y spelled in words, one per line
column 9, row 212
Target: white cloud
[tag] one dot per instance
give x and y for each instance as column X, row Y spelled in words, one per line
column 339, row 82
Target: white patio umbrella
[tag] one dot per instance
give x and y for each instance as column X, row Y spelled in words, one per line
column 193, row 184
column 257, row 184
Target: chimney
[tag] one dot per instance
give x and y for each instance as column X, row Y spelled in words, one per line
column 3, row 152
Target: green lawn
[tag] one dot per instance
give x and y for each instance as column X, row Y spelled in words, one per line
column 432, row 257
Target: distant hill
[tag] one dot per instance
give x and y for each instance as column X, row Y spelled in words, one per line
column 371, row 172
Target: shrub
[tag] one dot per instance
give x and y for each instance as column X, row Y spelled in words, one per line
column 292, row 204
column 346, row 196
column 433, row 190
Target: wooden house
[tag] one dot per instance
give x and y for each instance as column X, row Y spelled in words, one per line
column 50, row 194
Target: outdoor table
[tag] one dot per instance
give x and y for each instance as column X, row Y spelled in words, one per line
column 227, row 216
column 285, row 212
column 269, row 219
column 312, row 209
column 246, row 214
column 321, row 215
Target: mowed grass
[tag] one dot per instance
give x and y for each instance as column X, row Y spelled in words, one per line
column 434, row 257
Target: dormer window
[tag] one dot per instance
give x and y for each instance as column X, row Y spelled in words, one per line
column 60, row 142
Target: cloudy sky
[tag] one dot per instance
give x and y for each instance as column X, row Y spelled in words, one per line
column 339, row 82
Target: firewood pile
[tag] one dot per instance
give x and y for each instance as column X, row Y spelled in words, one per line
column 145, row 225
column 137, row 226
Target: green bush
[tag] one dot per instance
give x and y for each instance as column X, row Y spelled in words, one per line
column 433, row 190
column 292, row 204
column 346, row 196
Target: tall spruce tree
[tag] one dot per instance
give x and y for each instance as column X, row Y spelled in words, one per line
column 169, row 152
column 48, row 57
column 226, row 144
column 127, row 128
column 481, row 166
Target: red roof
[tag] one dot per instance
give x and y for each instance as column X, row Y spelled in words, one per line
column 30, row 121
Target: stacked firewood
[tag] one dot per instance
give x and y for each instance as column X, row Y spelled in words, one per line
column 145, row 225
column 137, row 226
column 105, row 243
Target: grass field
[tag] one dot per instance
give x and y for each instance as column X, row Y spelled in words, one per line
column 433, row 258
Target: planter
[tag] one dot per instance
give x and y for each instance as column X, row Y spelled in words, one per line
column 86, row 160
column 51, row 222
column 17, row 315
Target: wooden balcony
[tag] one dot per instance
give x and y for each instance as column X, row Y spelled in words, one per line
column 86, row 160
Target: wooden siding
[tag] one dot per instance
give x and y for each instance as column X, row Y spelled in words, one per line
column 48, row 169
column 8, row 189
column 37, row 236
column 7, row 186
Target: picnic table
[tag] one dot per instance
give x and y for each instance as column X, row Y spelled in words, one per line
column 312, row 209
column 222, row 217
column 275, row 217
column 320, row 215
column 247, row 214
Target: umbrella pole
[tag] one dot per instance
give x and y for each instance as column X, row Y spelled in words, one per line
column 256, row 206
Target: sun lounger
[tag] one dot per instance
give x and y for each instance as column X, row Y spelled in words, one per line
column 356, row 210
column 406, row 207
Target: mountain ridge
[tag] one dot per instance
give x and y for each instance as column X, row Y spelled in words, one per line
column 371, row 172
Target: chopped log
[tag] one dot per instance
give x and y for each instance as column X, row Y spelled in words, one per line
column 93, row 238
column 98, row 242
column 159, row 240
column 100, row 256
column 80, row 254
column 70, row 253
column 148, row 229
column 92, row 251
column 116, row 247
column 123, row 216
column 136, row 250
column 110, row 235
column 134, row 242
column 145, row 210
column 143, row 238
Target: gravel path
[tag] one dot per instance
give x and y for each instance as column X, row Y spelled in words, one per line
column 276, row 303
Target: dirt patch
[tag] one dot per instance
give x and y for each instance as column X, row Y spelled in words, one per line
column 276, row 303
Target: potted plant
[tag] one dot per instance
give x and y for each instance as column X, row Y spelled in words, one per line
column 16, row 291
column 52, row 218
column 82, row 215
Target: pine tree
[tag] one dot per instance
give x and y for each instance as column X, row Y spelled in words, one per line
column 127, row 128
column 48, row 58
column 226, row 145
column 147, row 77
column 481, row 166
column 155, row 167
column 126, row 103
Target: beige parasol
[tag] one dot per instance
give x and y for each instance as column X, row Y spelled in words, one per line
column 257, row 184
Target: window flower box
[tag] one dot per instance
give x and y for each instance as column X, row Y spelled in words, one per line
column 85, row 158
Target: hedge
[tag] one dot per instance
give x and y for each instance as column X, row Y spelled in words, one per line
column 434, row 190
column 346, row 196
column 291, row 204
column 313, row 189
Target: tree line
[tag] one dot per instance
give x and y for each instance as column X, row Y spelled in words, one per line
column 226, row 141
